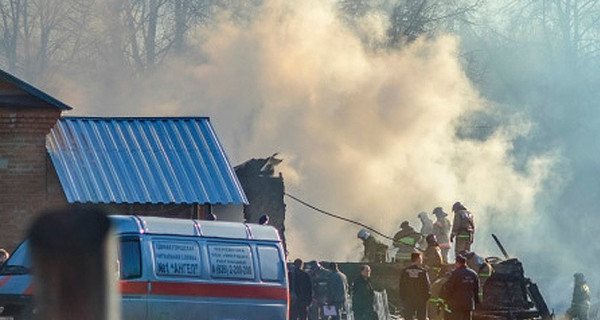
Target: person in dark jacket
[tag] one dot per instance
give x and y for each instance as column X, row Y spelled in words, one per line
column 580, row 305
column 414, row 289
column 461, row 291
column 300, row 291
column 363, row 296
column 337, row 290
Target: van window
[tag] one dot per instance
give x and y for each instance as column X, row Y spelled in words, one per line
column 176, row 258
column 271, row 268
column 130, row 259
column 230, row 261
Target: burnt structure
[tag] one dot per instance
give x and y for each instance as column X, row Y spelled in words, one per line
column 264, row 191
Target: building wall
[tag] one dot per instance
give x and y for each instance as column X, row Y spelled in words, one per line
column 25, row 176
column 230, row 212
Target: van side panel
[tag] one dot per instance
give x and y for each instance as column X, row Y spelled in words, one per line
column 134, row 296
column 215, row 279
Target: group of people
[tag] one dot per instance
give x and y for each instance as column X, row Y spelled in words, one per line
column 434, row 239
column 460, row 292
column 440, row 234
column 304, row 290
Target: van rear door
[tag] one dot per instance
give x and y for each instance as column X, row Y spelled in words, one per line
column 134, row 289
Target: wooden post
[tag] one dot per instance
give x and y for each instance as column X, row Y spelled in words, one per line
column 74, row 266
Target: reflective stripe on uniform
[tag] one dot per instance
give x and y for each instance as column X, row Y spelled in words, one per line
column 441, row 304
column 407, row 240
column 463, row 236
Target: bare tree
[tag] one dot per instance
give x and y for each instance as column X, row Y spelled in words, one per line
column 412, row 18
column 36, row 34
column 154, row 28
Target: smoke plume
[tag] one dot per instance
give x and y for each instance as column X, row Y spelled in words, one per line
column 372, row 134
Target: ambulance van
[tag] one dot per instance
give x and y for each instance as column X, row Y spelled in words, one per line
column 179, row 269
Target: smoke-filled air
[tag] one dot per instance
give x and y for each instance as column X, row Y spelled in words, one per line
column 377, row 118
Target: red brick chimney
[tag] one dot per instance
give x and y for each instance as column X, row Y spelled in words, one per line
column 26, row 116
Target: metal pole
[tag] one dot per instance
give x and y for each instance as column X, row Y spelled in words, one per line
column 74, row 266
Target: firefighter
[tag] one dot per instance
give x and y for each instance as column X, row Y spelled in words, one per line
column 406, row 241
column 463, row 228
column 426, row 227
column 580, row 305
column 375, row 251
column 441, row 230
column 461, row 291
column 432, row 259
column 414, row 289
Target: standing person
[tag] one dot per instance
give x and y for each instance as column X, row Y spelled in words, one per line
column 441, row 229
column 432, row 259
column 461, row 291
column 580, row 305
column 406, row 241
column 363, row 296
column 337, row 294
column 426, row 227
column 426, row 223
column 463, row 228
column 300, row 291
column 414, row 289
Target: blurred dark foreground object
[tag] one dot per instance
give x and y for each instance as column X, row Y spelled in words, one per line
column 74, row 266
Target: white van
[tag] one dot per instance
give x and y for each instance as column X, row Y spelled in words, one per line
column 180, row 269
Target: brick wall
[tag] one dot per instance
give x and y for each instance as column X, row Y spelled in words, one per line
column 26, row 175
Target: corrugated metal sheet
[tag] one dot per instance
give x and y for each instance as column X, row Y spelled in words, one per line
column 142, row 160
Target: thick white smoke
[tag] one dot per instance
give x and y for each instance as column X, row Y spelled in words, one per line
column 372, row 135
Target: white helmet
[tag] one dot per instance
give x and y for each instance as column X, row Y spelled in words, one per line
column 363, row 234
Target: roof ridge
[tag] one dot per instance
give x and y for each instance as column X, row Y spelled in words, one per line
column 33, row 90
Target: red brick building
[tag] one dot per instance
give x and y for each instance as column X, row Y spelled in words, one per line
column 28, row 182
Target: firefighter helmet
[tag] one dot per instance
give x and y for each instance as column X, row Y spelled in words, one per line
column 363, row 234
column 458, row 206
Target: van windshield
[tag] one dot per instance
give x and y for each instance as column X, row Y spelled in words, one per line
column 19, row 262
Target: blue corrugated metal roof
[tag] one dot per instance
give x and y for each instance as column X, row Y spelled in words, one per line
column 142, row 160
